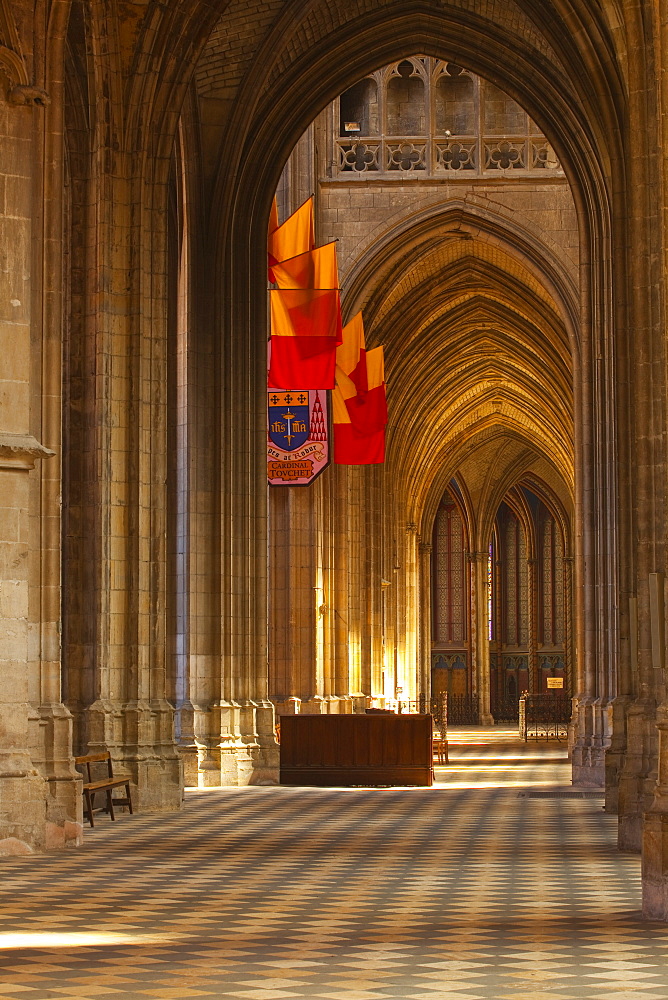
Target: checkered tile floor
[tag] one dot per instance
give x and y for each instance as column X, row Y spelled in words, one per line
column 472, row 889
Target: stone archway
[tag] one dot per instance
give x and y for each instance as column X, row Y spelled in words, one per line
column 585, row 166
column 598, row 182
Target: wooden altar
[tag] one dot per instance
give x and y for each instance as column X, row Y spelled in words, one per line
column 356, row 750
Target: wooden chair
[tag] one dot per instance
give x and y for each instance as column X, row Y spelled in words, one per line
column 440, row 748
column 106, row 784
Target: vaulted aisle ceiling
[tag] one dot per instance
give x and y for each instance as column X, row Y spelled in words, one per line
column 477, row 349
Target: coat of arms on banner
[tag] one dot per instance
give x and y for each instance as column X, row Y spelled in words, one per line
column 298, row 436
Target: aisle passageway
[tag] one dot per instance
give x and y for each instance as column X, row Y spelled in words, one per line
column 494, row 884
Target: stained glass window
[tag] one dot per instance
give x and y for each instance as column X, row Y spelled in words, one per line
column 490, row 603
column 515, row 581
column 450, row 575
column 552, row 583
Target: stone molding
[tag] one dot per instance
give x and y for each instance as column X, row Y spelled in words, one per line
column 21, row 451
column 13, row 66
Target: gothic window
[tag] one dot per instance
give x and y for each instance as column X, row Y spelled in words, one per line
column 515, row 582
column 559, row 608
column 523, row 596
column 548, row 581
column 450, row 575
column 510, row 581
column 552, row 582
column 532, row 634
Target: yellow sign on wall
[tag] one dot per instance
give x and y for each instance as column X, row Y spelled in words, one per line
column 555, row 682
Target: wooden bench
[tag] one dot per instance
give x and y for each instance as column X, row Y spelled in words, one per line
column 106, row 784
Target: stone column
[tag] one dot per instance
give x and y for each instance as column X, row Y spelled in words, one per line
column 116, row 443
column 296, row 603
column 569, row 650
column 51, row 733
column 655, row 834
column 424, row 666
column 392, row 602
column 40, row 791
column 412, row 617
column 338, row 562
column 635, row 762
column 197, row 500
column 247, row 740
column 23, row 790
column 649, row 479
column 180, row 570
column 376, row 587
column 479, row 634
column 591, row 702
column 353, row 547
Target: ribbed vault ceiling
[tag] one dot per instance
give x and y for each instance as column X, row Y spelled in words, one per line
column 479, row 368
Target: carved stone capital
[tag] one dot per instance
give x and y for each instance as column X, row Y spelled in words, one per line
column 425, row 546
column 25, row 95
column 21, row 451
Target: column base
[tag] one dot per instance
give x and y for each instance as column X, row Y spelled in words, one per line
column 313, row 706
column 246, row 754
column 159, row 781
column 38, row 812
column 51, row 749
column 235, row 764
column 614, row 758
column 184, row 723
column 339, row 705
column 637, row 774
column 140, row 737
column 23, row 828
column 655, row 866
column 630, row 827
column 588, row 769
column 190, row 764
column 592, row 728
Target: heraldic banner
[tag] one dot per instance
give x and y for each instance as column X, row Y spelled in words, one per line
column 298, row 436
